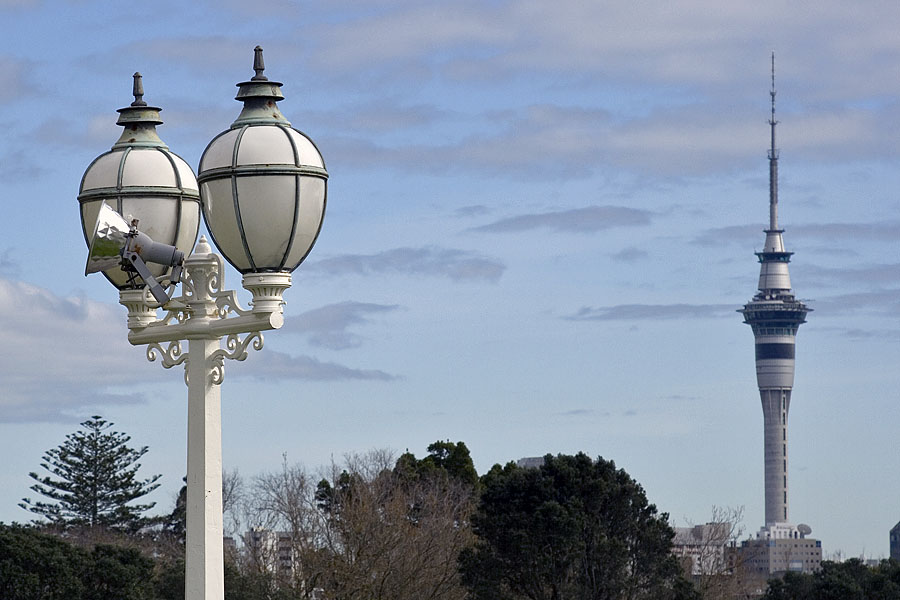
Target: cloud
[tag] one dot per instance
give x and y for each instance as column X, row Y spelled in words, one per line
column 697, row 46
column 382, row 115
column 14, row 83
column 741, row 235
column 61, row 354
column 532, row 142
column 457, row 265
column 9, row 267
column 630, row 255
column 635, row 312
column 868, row 275
column 578, row 220
column 750, row 235
column 885, row 302
column 692, row 82
column 887, row 231
column 578, row 412
column 476, row 210
column 327, row 326
column 16, row 165
column 414, row 34
column 285, row 366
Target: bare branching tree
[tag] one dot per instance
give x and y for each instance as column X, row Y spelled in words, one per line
column 716, row 569
column 359, row 530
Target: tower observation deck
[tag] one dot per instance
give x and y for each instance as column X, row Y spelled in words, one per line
column 775, row 314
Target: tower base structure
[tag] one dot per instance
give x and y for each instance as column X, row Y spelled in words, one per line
column 778, row 549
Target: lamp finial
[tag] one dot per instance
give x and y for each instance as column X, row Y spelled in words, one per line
column 138, row 91
column 258, row 65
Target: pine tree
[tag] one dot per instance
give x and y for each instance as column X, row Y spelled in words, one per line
column 93, row 479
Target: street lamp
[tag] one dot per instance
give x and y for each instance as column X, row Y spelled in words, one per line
column 262, row 187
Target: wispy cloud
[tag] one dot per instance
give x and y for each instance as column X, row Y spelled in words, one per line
column 279, row 365
column 9, row 267
column 13, row 73
column 457, row 265
column 16, row 164
column 589, row 219
column 637, row 312
column 741, row 235
column 475, row 210
column 870, row 276
column 630, row 255
column 828, row 232
column 578, row 412
column 381, row 116
column 879, row 302
column 328, row 326
column 744, row 235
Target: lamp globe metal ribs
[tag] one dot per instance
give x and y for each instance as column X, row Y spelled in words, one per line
column 140, row 178
column 262, row 187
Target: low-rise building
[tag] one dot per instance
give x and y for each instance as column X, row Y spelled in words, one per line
column 780, row 548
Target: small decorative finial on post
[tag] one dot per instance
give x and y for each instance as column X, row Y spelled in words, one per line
column 258, row 65
column 138, row 91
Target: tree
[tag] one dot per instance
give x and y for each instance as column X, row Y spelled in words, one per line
column 369, row 530
column 93, row 480
column 573, row 528
column 849, row 580
column 444, row 459
column 37, row 565
column 709, row 556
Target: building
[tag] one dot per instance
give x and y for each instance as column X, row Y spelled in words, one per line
column 271, row 551
column 780, row 548
column 701, row 548
column 775, row 315
column 895, row 542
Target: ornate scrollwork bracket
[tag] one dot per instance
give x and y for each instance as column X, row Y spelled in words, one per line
column 235, row 349
column 206, row 311
column 170, row 356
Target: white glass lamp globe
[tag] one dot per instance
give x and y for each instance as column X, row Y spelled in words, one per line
column 262, row 184
column 141, row 178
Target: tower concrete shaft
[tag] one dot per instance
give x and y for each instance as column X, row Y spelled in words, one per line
column 775, row 314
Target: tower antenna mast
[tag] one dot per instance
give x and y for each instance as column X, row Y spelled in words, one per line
column 773, row 162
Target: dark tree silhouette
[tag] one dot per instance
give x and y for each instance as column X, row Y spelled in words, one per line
column 572, row 528
column 93, row 480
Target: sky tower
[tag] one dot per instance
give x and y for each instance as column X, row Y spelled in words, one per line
column 775, row 315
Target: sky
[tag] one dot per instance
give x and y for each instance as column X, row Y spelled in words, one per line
column 541, row 220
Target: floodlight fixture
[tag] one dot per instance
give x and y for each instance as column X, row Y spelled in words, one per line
column 116, row 242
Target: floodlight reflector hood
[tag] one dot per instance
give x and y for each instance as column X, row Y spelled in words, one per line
column 116, row 242
column 107, row 242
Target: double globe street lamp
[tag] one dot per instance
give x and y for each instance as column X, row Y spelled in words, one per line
column 261, row 187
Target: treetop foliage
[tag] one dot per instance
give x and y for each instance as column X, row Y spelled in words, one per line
column 572, row 528
column 849, row 580
column 92, row 480
column 444, row 459
column 35, row 565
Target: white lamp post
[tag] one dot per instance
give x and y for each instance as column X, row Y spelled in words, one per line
column 262, row 189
